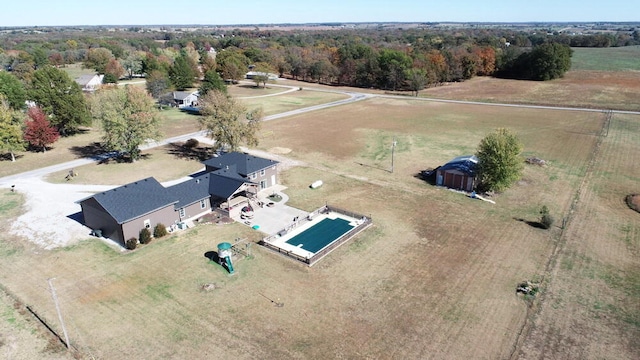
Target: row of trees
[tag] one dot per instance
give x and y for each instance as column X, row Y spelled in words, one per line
column 388, row 59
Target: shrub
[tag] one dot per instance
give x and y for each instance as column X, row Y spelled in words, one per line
column 145, row 236
column 191, row 143
column 131, row 243
column 546, row 220
column 159, row 231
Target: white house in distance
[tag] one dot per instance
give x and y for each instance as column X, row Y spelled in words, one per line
column 252, row 74
column 185, row 99
column 90, row 82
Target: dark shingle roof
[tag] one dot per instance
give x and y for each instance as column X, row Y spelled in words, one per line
column 225, row 182
column 245, row 164
column 190, row 191
column 133, row 200
column 466, row 164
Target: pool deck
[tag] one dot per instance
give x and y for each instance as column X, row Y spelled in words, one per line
column 295, row 229
column 275, row 218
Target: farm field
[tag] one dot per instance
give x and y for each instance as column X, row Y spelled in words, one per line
column 601, row 78
column 585, row 89
column 606, row 59
column 433, row 278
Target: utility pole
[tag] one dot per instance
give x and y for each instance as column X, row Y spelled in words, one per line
column 393, row 149
column 55, row 300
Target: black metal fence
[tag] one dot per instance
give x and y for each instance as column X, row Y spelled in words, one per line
column 363, row 223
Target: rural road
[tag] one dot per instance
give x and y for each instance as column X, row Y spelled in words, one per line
column 353, row 96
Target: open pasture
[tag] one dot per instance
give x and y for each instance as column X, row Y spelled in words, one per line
column 291, row 101
column 433, row 278
column 591, row 309
column 586, row 89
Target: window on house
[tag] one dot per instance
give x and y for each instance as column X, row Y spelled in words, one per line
column 203, row 205
column 147, row 223
column 182, row 213
column 263, row 184
column 262, row 172
column 253, row 176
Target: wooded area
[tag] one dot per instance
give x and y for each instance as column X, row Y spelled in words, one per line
column 390, row 59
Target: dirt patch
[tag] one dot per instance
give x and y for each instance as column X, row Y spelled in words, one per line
column 279, row 150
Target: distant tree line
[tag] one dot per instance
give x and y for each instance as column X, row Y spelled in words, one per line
column 385, row 58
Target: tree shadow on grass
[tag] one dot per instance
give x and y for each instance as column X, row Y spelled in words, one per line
column 92, row 150
column 190, row 153
column 534, row 224
column 7, row 157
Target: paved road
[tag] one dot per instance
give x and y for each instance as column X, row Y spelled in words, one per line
column 353, row 96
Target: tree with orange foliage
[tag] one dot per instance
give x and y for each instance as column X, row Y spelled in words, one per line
column 38, row 130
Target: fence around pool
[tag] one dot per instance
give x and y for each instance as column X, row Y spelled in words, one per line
column 270, row 242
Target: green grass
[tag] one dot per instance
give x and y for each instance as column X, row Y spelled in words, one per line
column 606, row 59
column 76, row 70
column 296, row 100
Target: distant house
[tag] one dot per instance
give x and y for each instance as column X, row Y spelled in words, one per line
column 459, row 173
column 90, row 83
column 252, row 75
column 185, row 99
column 230, row 181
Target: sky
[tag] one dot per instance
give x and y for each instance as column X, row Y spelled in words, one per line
column 233, row 12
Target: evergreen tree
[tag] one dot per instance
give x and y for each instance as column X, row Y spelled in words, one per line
column 181, row 73
column 13, row 90
column 61, row 98
column 212, row 81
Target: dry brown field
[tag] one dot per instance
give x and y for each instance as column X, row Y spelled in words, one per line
column 434, row 278
column 587, row 89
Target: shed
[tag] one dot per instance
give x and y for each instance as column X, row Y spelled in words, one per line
column 459, row 173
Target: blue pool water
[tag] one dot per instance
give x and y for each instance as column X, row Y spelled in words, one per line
column 321, row 234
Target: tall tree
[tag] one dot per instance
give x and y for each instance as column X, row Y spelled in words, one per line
column 61, row 98
column 499, row 160
column 11, row 137
column 132, row 64
column 228, row 122
column 157, row 83
column 114, row 71
column 38, row 130
column 181, row 73
column 212, row 81
column 97, row 59
column 128, row 117
column 232, row 64
column 550, row 61
column 13, row 90
column 393, row 67
column 417, row 80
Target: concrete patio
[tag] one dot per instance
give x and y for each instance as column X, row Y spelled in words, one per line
column 271, row 219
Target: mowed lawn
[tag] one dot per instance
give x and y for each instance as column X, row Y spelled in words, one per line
column 291, row 101
column 434, row 278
